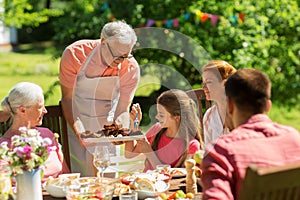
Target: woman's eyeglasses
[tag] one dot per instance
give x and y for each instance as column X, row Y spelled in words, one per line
column 118, row 57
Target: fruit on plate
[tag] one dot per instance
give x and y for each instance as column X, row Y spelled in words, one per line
column 198, row 156
column 189, row 195
column 198, row 171
column 128, row 179
column 179, row 194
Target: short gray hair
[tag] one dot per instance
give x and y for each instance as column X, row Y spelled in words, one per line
column 119, row 30
column 22, row 94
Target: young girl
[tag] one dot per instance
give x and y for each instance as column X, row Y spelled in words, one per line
column 174, row 138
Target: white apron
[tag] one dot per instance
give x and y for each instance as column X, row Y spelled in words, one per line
column 96, row 99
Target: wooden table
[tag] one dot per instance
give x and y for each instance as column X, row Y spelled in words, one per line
column 175, row 184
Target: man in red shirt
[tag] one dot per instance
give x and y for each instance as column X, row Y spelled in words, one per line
column 254, row 139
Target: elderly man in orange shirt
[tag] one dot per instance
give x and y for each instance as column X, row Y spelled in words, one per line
column 98, row 81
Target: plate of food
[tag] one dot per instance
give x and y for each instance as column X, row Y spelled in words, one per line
column 55, row 186
column 146, row 188
column 153, row 176
column 111, row 133
column 178, row 172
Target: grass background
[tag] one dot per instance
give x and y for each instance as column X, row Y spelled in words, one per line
column 36, row 64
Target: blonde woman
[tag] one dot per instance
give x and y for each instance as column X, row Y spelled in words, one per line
column 214, row 76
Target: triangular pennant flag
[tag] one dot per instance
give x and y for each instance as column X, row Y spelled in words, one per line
column 150, row 22
column 104, row 7
column 175, row 22
column 198, row 14
column 181, row 19
column 204, row 17
column 169, row 23
column 242, row 17
column 158, row 23
column 234, row 19
column 187, row 16
column 214, row 19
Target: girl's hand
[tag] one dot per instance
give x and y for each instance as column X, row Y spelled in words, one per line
column 136, row 109
column 144, row 146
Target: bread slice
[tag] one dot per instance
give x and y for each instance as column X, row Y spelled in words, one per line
column 145, row 184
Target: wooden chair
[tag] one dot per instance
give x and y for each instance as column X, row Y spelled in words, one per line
column 4, row 122
column 203, row 104
column 54, row 120
column 280, row 183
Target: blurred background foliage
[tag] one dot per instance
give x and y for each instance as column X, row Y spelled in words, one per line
column 267, row 39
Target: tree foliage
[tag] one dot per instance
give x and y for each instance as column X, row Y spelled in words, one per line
column 267, row 40
column 19, row 13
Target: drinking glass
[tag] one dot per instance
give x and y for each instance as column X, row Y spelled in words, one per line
column 5, row 183
column 101, row 159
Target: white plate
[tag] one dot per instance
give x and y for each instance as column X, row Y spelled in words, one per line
column 145, row 194
column 183, row 170
column 55, row 191
column 113, row 139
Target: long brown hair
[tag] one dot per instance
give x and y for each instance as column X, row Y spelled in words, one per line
column 178, row 103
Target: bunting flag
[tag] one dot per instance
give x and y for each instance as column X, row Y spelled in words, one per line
column 175, row 22
column 214, row 19
column 242, row 17
column 150, row 22
column 204, row 17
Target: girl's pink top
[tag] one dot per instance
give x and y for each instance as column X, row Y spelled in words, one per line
column 169, row 149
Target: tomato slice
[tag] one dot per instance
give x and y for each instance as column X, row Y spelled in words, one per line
column 127, row 179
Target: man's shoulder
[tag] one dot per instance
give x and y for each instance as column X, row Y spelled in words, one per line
column 263, row 129
column 83, row 44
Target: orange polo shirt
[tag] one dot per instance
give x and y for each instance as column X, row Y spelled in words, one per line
column 75, row 56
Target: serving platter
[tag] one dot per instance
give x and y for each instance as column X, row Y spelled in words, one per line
column 111, row 133
column 112, row 139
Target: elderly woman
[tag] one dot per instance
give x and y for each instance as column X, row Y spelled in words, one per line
column 98, row 81
column 25, row 103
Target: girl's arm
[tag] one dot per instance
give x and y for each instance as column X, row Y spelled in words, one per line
column 143, row 146
column 130, row 149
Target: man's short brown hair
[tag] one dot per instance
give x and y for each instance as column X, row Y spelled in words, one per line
column 249, row 89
